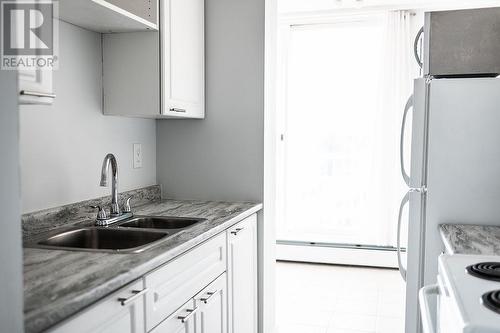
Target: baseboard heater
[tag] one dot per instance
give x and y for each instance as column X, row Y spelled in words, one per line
column 337, row 253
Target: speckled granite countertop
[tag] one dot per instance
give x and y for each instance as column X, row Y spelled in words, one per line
column 471, row 239
column 57, row 284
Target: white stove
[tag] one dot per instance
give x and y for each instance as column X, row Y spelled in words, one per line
column 468, row 292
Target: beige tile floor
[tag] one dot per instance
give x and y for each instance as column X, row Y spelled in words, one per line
column 338, row 299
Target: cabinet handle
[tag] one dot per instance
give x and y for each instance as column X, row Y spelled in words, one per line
column 209, row 297
column 189, row 315
column 177, row 110
column 235, row 232
column 137, row 294
column 37, row 94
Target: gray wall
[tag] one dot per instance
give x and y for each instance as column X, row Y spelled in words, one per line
column 63, row 145
column 11, row 279
column 222, row 156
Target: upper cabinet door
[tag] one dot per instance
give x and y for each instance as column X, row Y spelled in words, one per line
column 182, row 31
column 35, row 86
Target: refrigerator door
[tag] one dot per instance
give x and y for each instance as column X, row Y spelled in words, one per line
column 416, row 198
column 463, row 167
column 456, row 158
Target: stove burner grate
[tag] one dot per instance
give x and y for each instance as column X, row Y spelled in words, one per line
column 492, row 300
column 485, row 270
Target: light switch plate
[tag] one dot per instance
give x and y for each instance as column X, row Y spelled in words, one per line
column 137, row 156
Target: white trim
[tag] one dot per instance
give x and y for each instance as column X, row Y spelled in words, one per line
column 339, row 256
column 266, row 230
column 329, row 17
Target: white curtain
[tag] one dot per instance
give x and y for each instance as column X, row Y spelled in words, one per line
column 399, row 69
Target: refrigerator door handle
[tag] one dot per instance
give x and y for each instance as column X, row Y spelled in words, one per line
column 405, row 200
column 415, row 47
column 408, row 106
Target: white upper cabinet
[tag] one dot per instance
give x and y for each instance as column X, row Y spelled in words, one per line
column 158, row 74
column 35, row 86
column 183, row 58
column 111, row 15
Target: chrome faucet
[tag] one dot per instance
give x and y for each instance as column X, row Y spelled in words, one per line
column 115, row 213
column 110, row 160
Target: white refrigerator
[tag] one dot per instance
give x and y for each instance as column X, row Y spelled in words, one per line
column 454, row 173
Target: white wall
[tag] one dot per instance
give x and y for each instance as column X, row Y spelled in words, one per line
column 63, row 145
column 11, row 279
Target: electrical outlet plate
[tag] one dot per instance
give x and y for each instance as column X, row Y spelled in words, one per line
column 137, row 156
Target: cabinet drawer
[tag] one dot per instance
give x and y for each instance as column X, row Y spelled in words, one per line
column 123, row 312
column 176, row 323
column 177, row 281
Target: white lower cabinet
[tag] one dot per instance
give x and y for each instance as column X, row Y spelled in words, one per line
column 204, row 313
column 181, row 321
column 174, row 283
column 121, row 312
column 209, row 289
column 242, row 276
column 211, row 305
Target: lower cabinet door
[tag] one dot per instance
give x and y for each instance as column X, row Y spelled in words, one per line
column 121, row 312
column 242, row 276
column 211, row 303
column 181, row 321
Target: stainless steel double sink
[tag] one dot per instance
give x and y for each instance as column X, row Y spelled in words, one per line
column 129, row 236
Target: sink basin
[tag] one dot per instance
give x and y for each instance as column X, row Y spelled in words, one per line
column 161, row 222
column 103, row 240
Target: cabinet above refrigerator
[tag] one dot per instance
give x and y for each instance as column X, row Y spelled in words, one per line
column 462, row 43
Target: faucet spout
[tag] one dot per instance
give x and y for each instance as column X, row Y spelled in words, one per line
column 110, row 161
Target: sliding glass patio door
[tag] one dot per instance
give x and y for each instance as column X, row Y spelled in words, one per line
column 339, row 179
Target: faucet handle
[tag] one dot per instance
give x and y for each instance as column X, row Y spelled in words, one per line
column 101, row 213
column 126, row 206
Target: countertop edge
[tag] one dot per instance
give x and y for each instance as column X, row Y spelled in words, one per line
column 445, row 239
column 471, row 239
